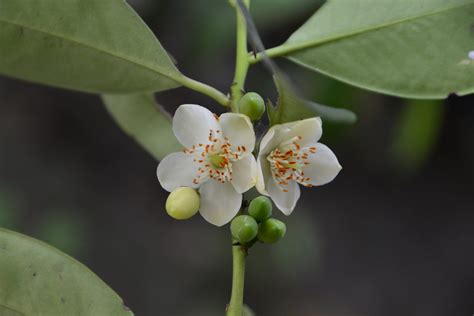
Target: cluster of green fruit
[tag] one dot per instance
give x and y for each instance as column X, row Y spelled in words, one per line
column 258, row 225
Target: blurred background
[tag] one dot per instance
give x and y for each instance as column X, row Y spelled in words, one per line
column 392, row 235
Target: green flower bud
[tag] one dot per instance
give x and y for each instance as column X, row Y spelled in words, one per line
column 183, row 203
column 244, row 228
column 271, row 231
column 252, row 105
column 260, row 208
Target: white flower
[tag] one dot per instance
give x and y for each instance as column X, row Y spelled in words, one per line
column 290, row 155
column 217, row 159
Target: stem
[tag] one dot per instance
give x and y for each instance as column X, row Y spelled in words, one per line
column 241, row 59
column 204, row 89
column 239, row 254
column 272, row 52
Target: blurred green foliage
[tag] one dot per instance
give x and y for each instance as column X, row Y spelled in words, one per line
column 65, row 229
column 10, row 212
column 416, row 133
column 267, row 14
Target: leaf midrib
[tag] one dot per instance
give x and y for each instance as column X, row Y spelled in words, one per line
column 11, row 309
column 156, row 70
column 286, row 49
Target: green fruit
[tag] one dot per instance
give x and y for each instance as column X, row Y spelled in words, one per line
column 183, row 203
column 244, row 228
column 260, row 208
column 271, row 231
column 252, row 105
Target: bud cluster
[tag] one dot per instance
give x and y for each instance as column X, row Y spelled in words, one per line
column 258, row 225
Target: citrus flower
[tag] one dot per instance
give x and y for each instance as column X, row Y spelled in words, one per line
column 217, row 160
column 291, row 155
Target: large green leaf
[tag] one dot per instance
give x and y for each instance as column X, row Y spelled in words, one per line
column 407, row 48
column 145, row 121
column 39, row 280
column 291, row 107
column 88, row 45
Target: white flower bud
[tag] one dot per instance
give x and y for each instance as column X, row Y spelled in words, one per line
column 471, row 55
column 183, row 203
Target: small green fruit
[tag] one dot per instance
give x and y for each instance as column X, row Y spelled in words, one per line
column 260, row 208
column 183, row 203
column 271, row 231
column 244, row 228
column 252, row 105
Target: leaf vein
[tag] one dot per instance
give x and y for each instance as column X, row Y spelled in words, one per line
column 153, row 69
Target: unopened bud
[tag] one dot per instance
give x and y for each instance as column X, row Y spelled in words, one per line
column 260, row 208
column 244, row 228
column 183, row 203
column 252, row 105
column 271, row 231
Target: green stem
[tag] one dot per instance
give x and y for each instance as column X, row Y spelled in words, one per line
column 241, row 59
column 239, row 254
column 272, row 52
column 204, row 89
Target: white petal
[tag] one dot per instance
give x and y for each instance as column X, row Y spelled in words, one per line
column 239, row 130
column 310, row 130
column 177, row 170
column 219, row 202
column 263, row 172
column 269, row 141
column 244, row 173
column 192, row 123
column 285, row 201
column 323, row 166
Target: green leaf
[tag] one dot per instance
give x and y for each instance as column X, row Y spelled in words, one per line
column 87, row 45
column 140, row 117
column 416, row 49
column 290, row 107
column 39, row 280
column 416, row 133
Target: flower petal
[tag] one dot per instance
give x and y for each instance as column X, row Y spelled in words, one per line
column 263, row 172
column 239, row 130
column 323, row 166
column 177, row 170
column 219, row 202
column 285, row 201
column 192, row 123
column 310, row 130
column 269, row 141
column 244, row 173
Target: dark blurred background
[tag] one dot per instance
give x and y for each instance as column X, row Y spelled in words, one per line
column 392, row 235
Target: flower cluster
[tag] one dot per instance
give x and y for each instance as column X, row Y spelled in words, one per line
column 218, row 160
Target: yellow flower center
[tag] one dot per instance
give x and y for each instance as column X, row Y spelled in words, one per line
column 214, row 158
column 218, row 161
